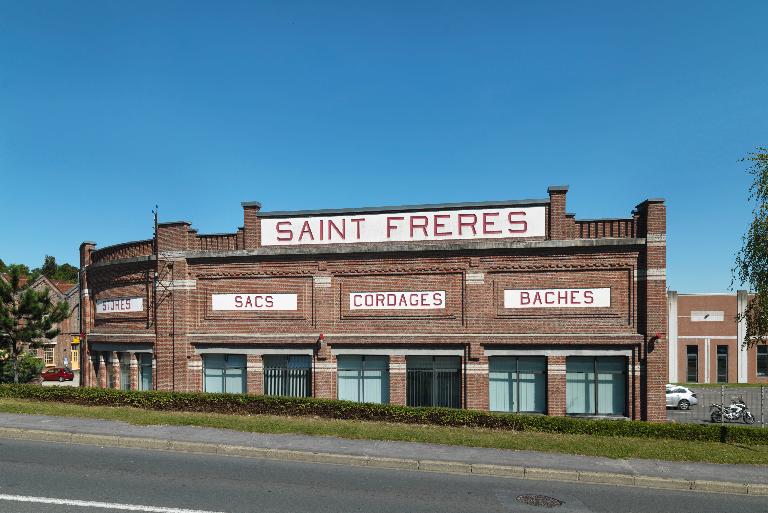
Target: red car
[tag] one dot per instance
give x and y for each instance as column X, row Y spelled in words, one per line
column 58, row 374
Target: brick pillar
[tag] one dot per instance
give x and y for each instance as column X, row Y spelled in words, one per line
column 397, row 380
column 134, row 373
column 325, row 376
column 556, row 398
column 559, row 225
column 476, row 392
column 103, row 370
column 251, row 224
column 634, row 374
column 93, row 361
column 115, row 371
column 194, row 379
column 255, row 378
column 652, row 308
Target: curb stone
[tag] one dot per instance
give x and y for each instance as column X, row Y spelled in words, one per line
column 452, row 467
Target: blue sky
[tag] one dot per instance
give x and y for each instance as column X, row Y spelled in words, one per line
column 107, row 108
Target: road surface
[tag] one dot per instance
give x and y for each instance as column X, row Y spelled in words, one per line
column 54, row 477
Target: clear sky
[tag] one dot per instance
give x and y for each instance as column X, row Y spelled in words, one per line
column 107, row 108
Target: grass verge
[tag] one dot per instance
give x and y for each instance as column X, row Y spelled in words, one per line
column 611, row 447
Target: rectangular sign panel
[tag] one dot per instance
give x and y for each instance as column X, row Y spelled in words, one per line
column 255, row 302
column 421, row 300
column 125, row 304
column 489, row 223
column 557, row 298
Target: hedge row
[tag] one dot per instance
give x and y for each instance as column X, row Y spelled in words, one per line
column 238, row 404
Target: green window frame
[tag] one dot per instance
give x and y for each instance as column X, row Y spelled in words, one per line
column 596, row 385
column 517, row 384
column 224, row 373
column 363, row 378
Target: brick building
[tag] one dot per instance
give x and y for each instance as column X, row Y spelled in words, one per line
column 64, row 349
column 507, row 305
column 705, row 341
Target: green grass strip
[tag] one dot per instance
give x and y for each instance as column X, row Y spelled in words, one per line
column 611, row 447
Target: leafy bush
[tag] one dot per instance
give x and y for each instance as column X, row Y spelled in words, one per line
column 238, row 404
column 30, row 367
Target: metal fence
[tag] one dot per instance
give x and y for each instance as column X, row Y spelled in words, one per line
column 288, row 382
column 743, row 405
column 434, row 388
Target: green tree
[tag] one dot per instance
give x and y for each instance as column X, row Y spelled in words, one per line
column 21, row 268
column 68, row 273
column 2, row 266
column 49, row 266
column 751, row 268
column 27, row 317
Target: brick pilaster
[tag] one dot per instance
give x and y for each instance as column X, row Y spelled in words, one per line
column 556, row 398
column 255, row 378
column 476, row 391
column 397, row 380
column 652, row 308
column 325, row 376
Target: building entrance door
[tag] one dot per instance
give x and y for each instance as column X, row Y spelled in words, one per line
column 75, row 360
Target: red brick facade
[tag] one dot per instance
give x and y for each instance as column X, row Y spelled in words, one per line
column 178, row 326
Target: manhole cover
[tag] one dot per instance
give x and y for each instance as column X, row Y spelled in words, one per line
column 539, row 500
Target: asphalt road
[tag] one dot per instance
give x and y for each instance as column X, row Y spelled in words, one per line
column 108, row 479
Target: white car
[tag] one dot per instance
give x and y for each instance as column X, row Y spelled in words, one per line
column 680, row 397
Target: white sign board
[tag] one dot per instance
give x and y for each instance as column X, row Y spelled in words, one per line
column 125, row 304
column 421, row 300
column 557, row 298
column 255, row 302
column 471, row 224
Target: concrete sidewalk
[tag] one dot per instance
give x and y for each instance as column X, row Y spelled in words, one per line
column 752, row 479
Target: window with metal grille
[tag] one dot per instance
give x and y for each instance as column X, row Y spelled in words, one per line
column 596, row 385
column 762, row 360
column 288, row 375
column 125, row 370
column 363, row 379
column 224, row 373
column 517, row 384
column 433, row 381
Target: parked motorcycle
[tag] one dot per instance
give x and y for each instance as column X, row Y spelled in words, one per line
column 735, row 411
